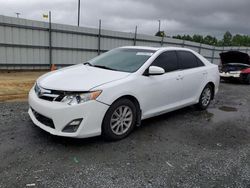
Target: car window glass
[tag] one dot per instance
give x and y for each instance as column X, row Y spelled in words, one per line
column 167, row 60
column 123, row 59
column 187, row 60
column 199, row 62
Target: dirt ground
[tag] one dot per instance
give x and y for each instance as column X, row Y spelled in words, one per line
column 14, row 85
column 185, row 148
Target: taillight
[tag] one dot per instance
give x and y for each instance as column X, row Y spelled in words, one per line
column 246, row 71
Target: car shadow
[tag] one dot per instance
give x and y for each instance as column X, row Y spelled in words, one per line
column 145, row 125
column 66, row 141
column 233, row 81
column 186, row 125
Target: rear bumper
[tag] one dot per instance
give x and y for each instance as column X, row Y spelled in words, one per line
column 229, row 75
column 241, row 77
column 92, row 113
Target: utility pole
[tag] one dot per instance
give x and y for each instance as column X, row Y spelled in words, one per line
column 17, row 14
column 78, row 21
column 159, row 25
column 50, row 41
column 99, row 37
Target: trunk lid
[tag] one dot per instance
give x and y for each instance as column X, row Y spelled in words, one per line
column 234, row 57
column 234, row 61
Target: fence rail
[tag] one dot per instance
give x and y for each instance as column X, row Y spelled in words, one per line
column 28, row 44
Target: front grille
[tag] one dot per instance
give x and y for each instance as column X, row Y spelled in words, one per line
column 52, row 96
column 47, row 98
column 49, row 95
column 44, row 120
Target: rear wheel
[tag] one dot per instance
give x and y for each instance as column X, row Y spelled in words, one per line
column 119, row 120
column 205, row 98
column 225, row 79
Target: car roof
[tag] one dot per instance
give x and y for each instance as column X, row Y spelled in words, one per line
column 155, row 48
column 162, row 49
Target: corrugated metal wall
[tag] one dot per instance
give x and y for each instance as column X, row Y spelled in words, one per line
column 24, row 44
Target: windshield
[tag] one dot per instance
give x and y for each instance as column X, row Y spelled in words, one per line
column 122, row 59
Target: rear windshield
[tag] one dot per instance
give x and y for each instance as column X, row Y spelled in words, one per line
column 234, row 67
column 123, row 59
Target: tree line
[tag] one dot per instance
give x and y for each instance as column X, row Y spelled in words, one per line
column 227, row 40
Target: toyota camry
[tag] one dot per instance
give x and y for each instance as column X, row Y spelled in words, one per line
column 110, row 94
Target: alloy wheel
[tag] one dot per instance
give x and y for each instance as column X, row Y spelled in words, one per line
column 206, row 96
column 121, row 120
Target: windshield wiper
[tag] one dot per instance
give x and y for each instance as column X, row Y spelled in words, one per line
column 99, row 66
column 88, row 63
column 104, row 67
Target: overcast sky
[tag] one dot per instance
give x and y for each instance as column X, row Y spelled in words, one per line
column 212, row 17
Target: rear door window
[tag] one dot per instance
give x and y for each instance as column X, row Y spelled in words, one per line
column 167, row 60
column 200, row 63
column 188, row 60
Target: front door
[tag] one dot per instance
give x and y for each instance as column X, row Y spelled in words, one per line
column 162, row 92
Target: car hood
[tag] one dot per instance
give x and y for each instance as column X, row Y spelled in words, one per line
column 79, row 78
column 234, row 57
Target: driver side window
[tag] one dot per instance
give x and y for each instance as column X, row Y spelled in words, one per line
column 167, row 60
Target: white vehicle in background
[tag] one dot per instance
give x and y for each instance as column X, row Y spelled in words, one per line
column 112, row 93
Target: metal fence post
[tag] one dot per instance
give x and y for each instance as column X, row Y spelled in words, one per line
column 50, row 41
column 200, row 48
column 246, row 49
column 135, row 36
column 162, row 40
column 99, row 37
column 213, row 54
column 183, row 43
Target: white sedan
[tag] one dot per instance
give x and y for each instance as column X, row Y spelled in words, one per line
column 110, row 94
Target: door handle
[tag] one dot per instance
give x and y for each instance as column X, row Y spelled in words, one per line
column 179, row 77
column 204, row 73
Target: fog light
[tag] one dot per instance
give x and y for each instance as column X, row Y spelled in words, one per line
column 72, row 126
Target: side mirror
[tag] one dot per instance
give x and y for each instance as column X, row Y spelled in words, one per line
column 154, row 70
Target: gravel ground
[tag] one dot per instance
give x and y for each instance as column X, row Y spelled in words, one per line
column 185, row 148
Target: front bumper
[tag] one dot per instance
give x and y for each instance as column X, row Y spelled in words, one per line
column 61, row 114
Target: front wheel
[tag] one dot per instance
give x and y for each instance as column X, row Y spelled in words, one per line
column 205, row 98
column 119, row 120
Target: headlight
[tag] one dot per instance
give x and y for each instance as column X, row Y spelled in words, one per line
column 73, row 99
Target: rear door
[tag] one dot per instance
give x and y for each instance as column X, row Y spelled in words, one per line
column 193, row 75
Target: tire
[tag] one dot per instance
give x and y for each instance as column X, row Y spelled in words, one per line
column 119, row 120
column 248, row 79
column 205, row 98
column 224, row 79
